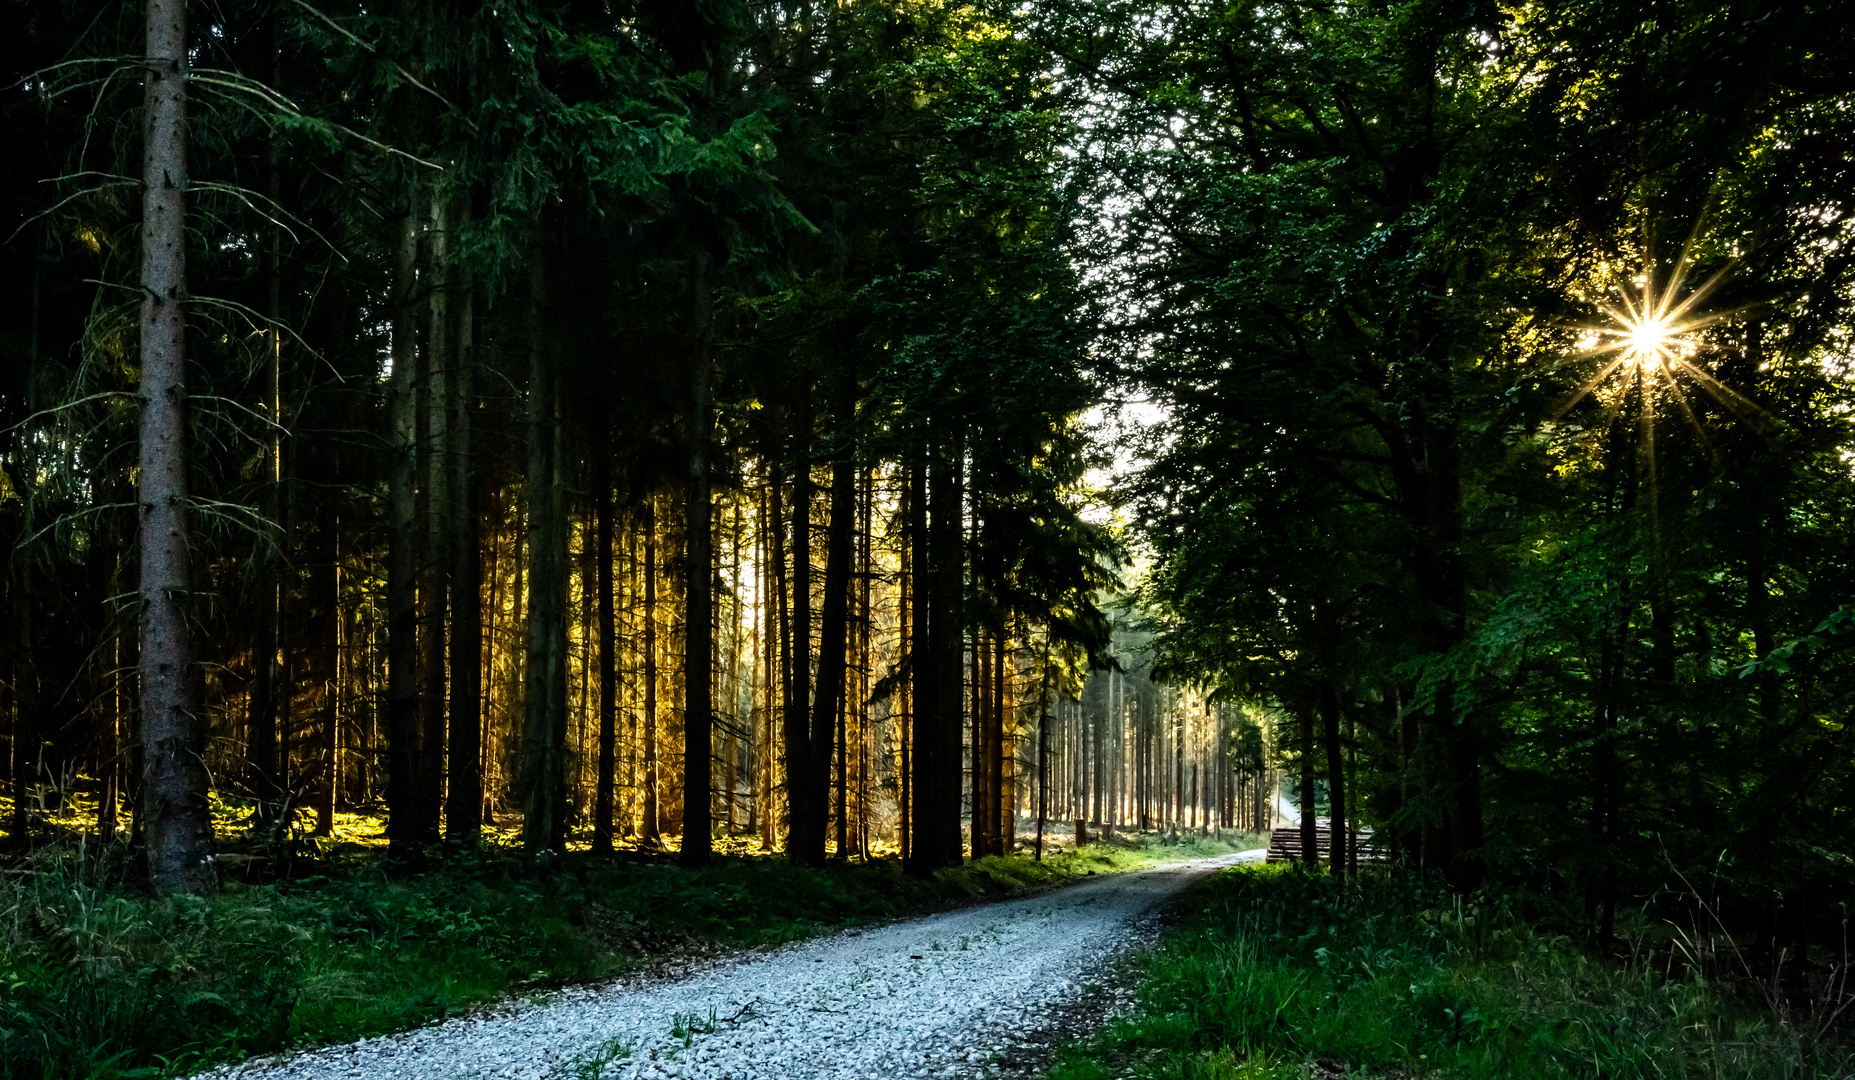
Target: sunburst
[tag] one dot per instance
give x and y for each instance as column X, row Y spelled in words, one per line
column 1648, row 337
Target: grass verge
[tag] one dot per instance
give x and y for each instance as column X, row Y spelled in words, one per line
column 1277, row 974
column 97, row 979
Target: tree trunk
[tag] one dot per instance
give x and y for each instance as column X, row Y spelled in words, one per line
column 698, row 594
column 20, row 687
column 608, row 649
column 177, row 826
column 987, row 740
column 923, row 851
column 904, row 625
column 802, row 797
column 436, row 566
column 1003, row 750
column 261, row 725
column 781, row 629
column 402, row 697
column 544, row 821
column 946, row 629
column 1043, row 747
column 327, row 581
column 833, row 640
column 463, row 817
column 649, row 829
column 1310, row 846
column 1336, row 777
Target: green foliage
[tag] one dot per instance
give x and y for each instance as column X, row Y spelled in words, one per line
column 1277, row 970
column 1581, row 610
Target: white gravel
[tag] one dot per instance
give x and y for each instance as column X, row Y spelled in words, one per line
column 939, row 996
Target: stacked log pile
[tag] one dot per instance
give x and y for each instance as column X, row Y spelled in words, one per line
column 1285, row 843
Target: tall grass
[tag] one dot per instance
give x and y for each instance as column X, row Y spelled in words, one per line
column 1281, row 973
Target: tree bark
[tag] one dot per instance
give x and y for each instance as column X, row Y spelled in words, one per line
column 436, row 569
column 608, row 649
column 1336, row 777
column 985, row 813
column 833, row 622
column 1003, row 749
column 1043, row 747
column 261, row 723
column 650, row 829
column 905, row 603
column 327, row 583
column 463, row 816
column 177, row 826
column 402, row 696
column 1310, row 846
column 801, row 785
column 946, row 629
column 833, row 632
column 698, row 592
column 922, row 852
column 544, row 820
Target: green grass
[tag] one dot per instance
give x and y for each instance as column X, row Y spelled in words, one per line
column 97, row 979
column 1278, row 973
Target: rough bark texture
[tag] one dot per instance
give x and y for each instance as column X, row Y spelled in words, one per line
column 650, row 828
column 1336, row 776
column 833, row 639
column 463, row 816
column 261, row 757
column 544, row 821
column 402, row 699
column 177, row 826
column 608, row 650
column 947, row 627
column 1310, row 847
column 921, row 855
column 435, row 571
column 698, row 592
column 1007, row 744
column 801, row 786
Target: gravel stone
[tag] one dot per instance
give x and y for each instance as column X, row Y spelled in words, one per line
column 987, row 993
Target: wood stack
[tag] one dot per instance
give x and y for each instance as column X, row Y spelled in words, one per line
column 1285, row 843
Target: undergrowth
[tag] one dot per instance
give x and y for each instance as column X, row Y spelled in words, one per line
column 1277, row 974
column 97, row 979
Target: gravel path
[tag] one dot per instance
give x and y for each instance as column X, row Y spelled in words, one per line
column 939, row 996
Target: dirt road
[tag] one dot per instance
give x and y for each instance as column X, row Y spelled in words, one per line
column 941, row 996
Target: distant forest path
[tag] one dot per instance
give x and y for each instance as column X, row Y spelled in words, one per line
column 954, row 994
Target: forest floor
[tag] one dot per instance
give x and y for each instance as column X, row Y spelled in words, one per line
column 97, row 979
column 970, row 992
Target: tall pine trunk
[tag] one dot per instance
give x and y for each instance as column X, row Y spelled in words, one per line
column 922, row 856
column 544, row 744
column 833, row 630
column 1043, row 746
column 402, row 695
column 463, row 817
column 801, row 786
column 177, row 826
column 1336, row 777
column 698, row 591
column 1003, row 750
column 436, row 569
column 1310, row 847
column 261, row 727
column 608, row 647
column 650, row 827
column 945, row 630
